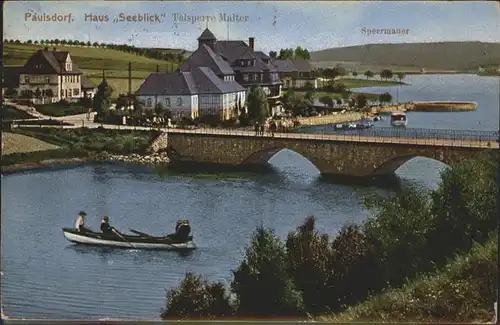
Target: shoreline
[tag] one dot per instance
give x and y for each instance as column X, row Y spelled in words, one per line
column 62, row 163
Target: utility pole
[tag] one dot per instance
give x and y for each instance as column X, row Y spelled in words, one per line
column 129, row 83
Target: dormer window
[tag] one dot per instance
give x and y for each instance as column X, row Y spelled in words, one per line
column 68, row 66
column 242, row 63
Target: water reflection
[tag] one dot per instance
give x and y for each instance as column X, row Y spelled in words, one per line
column 110, row 254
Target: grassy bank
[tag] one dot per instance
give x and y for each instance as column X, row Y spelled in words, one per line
column 9, row 113
column 61, row 109
column 65, row 144
column 463, row 291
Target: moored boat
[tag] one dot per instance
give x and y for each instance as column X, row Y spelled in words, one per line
column 399, row 119
column 180, row 240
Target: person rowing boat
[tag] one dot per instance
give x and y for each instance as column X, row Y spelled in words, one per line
column 106, row 227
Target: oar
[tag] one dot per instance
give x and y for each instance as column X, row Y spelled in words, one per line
column 116, row 232
column 140, row 233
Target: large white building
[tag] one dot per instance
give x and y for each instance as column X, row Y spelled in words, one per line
column 213, row 79
column 192, row 93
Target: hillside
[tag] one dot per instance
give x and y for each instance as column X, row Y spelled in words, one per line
column 169, row 50
column 453, row 56
column 91, row 60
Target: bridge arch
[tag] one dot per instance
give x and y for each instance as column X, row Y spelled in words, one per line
column 262, row 156
column 390, row 166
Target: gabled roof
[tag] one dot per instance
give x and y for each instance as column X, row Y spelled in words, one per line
column 205, row 57
column 292, row 65
column 207, row 35
column 200, row 80
column 208, row 83
column 11, row 76
column 167, row 83
column 236, row 50
column 52, row 63
column 262, row 55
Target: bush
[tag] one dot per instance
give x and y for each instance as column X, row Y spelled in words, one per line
column 197, row 298
column 409, row 236
column 261, row 282
column 463, row 291
column 309, row 257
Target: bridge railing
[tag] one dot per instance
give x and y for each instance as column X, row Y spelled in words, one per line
column 404, row 132
column 459, row 138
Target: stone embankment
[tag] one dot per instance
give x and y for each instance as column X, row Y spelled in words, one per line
column 441, row 106
column 153, row 159
column 331, row 119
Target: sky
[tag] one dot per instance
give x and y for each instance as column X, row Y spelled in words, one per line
column 314, row 25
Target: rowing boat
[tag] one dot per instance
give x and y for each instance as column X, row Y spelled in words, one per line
column 139, row 241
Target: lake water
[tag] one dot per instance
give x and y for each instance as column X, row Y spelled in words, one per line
column 485, row 91
column 45, row 276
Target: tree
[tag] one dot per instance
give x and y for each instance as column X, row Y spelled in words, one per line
column 308, row 255
column 159, row 109
column 29, row 41
column 286, row 54
column 386, row 74
column 385, row 97
column 369, row 74
column 339, row 70
column 309, row 96
column 197, row 298
column 273, row 54
column 102, row 98
column 354, row 74
column 38, row 93
column 361, row 101
column 138, row 107
column 56, row 41
column 261, row 282
column 258, row 108
column 95, row 44
column 302, row 53
column 35, row 42
column 88, row 43
column 401, row 76
column 64, row 42
column 50, row 94
column 326, row 100
column 121, row 101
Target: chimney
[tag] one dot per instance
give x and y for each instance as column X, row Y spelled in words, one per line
column 251, row 42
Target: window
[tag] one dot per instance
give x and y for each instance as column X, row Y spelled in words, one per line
column 245, row 77
column 47, row 80
column 242, row 63
column 76, row 92
column 26, row 79
column 62, row 92
column 167, row 102
column 149, row 102
column 179, row 101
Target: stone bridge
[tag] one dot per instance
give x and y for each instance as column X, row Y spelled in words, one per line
column 341, row 155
